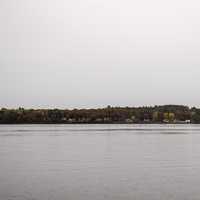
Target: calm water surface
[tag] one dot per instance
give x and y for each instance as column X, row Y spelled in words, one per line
column 97, row 162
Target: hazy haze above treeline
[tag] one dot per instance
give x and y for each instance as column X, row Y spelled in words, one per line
column 93, row 53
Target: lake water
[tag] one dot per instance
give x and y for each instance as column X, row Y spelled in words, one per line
column 99, row 162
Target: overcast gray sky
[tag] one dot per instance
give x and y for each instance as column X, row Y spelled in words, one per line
column 90, row 53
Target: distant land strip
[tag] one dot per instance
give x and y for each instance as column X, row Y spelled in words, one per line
column 169, row 114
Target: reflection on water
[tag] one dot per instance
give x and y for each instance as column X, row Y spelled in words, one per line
column 96, row 162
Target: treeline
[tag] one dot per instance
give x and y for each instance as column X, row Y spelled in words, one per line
column 156, row 114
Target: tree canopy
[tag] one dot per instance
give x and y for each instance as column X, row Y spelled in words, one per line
column 147, row 114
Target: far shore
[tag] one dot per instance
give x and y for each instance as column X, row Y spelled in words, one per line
column 165, row 114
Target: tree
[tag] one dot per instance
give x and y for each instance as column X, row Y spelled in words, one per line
column 171, row 117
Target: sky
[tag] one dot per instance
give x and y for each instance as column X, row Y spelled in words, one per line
column 94, row 53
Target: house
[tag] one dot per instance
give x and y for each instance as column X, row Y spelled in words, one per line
column 187, row 121
column 147, row 120
column 128, row 121
column 166, row 121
